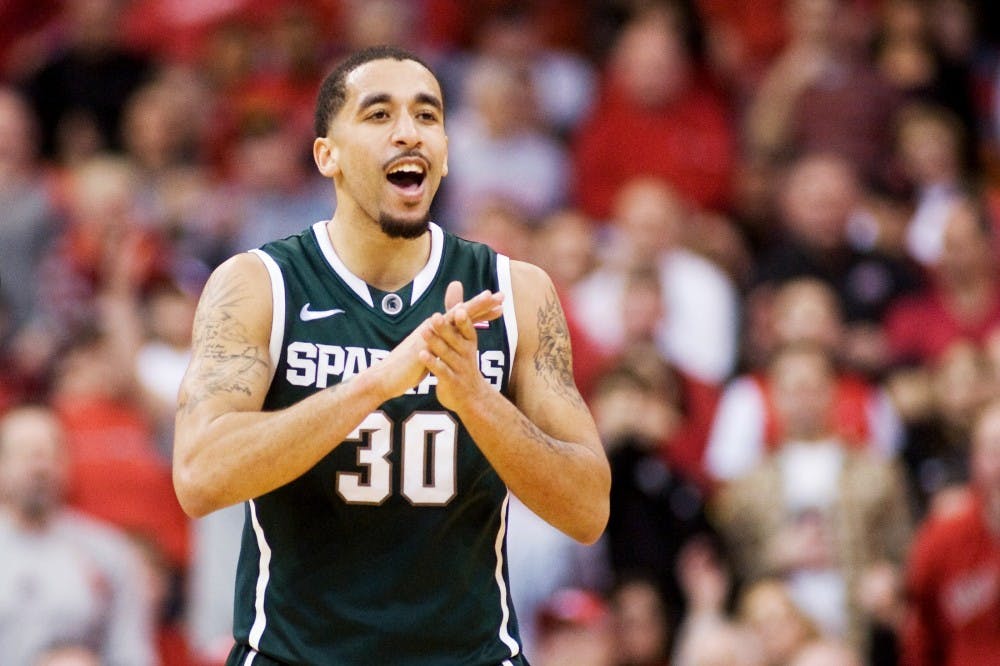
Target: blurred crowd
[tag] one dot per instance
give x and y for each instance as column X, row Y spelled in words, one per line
column 775, row 229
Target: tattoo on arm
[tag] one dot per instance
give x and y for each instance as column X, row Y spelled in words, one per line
column 225, row 358
column 554, row 358
column 532, row 431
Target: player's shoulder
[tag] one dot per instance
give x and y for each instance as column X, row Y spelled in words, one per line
column 239, row 268
column 240, row 286
column 530, row 278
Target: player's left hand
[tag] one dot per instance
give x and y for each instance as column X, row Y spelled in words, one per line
column 451, row 353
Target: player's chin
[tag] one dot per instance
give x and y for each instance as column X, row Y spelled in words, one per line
column 411, row 225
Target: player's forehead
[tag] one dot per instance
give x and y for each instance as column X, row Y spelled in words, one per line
column 399, row 80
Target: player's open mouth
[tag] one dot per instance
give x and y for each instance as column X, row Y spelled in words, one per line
column 408, row 177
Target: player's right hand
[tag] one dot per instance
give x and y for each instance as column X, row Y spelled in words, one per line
column 403, row 369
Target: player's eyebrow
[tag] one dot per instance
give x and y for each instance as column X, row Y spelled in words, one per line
column 430, row 100
column 373, row 99
column 384, row 98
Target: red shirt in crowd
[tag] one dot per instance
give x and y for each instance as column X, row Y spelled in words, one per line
column 953, row 582
column 117, row 476
column 921, row 327
column 688, row 143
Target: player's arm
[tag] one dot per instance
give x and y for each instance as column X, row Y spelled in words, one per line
column 226, row 450
column 544, row 445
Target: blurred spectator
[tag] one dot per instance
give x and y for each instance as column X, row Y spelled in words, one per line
column 574, row 630
column 273, row 191
column 783, row 629
column 563, row 82
column 164, row 129
column 959, row 30
column 657, row 510
column 163, row 591
column 746, row 425
column 654, row 118
column 501, row 225
column 815, row 513
column 290, row 48
column 156, row 131
column 822, row 95
column 542, row 561
column 369, row 23
column 944, row 400
column 640, row 624
column 963, row 298
column 929, row 148
column 700, row 306
column 103, row 251
column 565, row 246
column 497, row 150
column 743, row 37
column 819, row 195
column 27, row 215
column 909, row 54
column 80, row 92
column 116, row 472
column 65, row 577
column 953, row 577
column 28, row 223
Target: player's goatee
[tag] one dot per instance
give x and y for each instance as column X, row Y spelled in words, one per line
column 396, row 228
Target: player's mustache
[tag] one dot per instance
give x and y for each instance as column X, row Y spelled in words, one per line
column 407, row 154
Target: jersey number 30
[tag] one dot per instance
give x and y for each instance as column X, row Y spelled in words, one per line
column 427, row 460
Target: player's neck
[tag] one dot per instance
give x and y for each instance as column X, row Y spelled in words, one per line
column 384, row 262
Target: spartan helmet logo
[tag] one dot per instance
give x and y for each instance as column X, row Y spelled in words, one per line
column 392, row 304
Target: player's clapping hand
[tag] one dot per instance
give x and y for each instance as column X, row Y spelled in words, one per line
column 405, row 367
column 451, row 347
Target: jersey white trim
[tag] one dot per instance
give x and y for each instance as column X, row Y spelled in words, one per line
column 421, row 282
column 426, row 275
column 277, row 308
column 504, row 632
column 357, row 285
column 263, row 578
column 250, row 657
column 509, row 315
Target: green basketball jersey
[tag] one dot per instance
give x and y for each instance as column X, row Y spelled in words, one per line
column 391, row 550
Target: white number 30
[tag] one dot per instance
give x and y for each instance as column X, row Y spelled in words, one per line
column 427, row 462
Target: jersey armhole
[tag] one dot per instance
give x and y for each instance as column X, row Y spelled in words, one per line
column 509, row 316
column 277, row 308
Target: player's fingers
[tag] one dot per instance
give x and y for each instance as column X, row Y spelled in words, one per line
column 434, row 364
column 453, row 294
column 485, row 306
column 444, row 329
column 443, row 354
column 463, row 324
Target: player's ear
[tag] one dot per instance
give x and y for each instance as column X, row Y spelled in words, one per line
column 325, row 155
column 444, row 168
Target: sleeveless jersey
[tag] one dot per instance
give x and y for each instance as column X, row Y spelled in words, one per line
column 391, row 549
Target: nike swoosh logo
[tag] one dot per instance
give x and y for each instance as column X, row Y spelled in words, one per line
column 308, row 315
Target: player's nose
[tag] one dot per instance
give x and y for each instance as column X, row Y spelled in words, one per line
column 405, row 131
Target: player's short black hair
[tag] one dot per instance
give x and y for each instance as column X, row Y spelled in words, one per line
column 333, row 90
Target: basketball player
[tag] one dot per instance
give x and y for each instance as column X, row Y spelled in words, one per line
column 371, row 416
